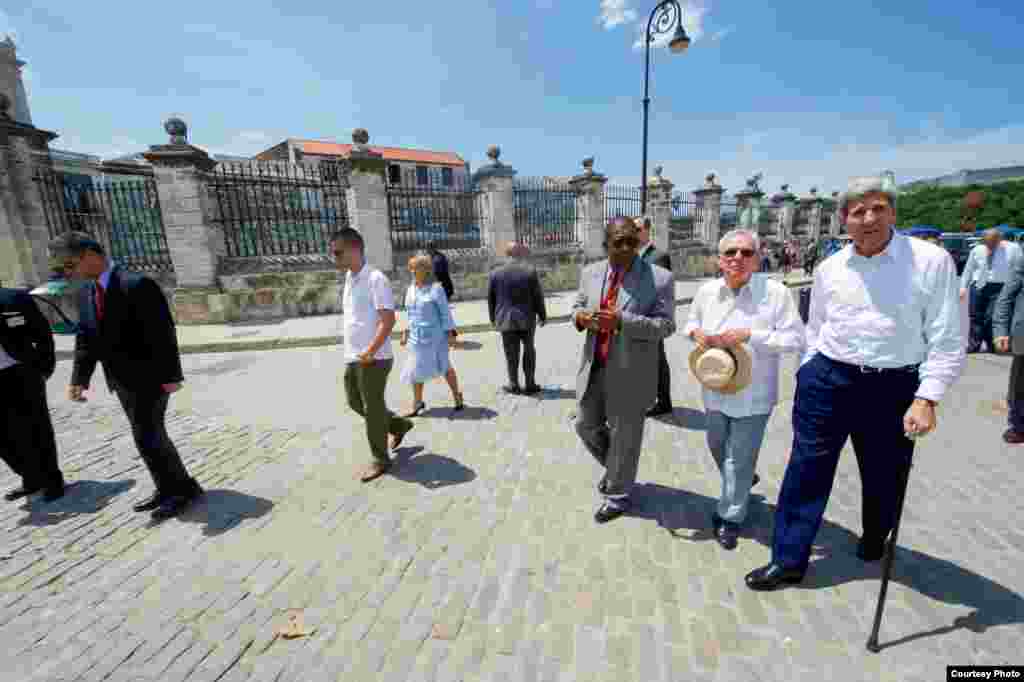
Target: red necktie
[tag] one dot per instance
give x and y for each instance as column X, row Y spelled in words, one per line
column 99, row 302
column 604, row 339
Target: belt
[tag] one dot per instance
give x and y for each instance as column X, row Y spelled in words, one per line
column 864, row 369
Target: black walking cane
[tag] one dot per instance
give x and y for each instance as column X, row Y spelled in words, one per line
column 890, row 551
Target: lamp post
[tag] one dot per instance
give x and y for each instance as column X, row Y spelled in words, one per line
column 664, row 15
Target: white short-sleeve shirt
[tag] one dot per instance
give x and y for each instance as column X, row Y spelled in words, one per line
column 366, row 292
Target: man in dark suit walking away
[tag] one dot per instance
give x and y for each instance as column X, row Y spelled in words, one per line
column 652, row 255
column 125, row 324
column 516, row 301
column 27, row 360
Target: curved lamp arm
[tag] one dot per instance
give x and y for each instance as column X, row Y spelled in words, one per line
column 669, row 15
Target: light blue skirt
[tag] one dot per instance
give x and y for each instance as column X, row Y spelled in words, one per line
column 426, row 361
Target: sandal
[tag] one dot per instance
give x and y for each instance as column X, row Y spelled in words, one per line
column 417, row 408
column 459, row 405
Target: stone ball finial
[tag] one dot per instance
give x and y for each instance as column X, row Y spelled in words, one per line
column 785, row 188
column 360, row 136
column 177, row 129
column 657, row 171
column 588, row 165
column 814, row 191
column 835, row 194
column 493, row 152
column 5, row 105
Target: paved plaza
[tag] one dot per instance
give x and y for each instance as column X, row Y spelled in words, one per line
column 478, row 557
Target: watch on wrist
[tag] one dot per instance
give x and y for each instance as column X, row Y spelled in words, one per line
column 930, row 402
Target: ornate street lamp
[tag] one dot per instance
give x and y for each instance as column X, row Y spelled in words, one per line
column 664, row 16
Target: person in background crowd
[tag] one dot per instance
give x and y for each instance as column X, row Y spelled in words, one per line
column 368, row 315
column 729, row 314
column 27, row 359
column 515, row 302
column 429, row 334
column 652, row 255
column 1008, row 330
column 883, row 347
column 624, row 305
column 810, row 258
column 125, row 324
column 989, row 266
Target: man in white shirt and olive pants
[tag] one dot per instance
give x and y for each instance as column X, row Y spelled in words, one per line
column 761, row 313
column 368, row 310
column 884, row 343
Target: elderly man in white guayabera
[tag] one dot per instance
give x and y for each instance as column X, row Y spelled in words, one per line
column 989, row 267
column 884, row 344
column 729, row 314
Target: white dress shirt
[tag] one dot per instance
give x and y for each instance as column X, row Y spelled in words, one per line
column 900, row 307
column 365, row 293
column 977, row 272
column 764, row 306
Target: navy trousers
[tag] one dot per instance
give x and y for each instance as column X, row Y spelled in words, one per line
column 836, row 401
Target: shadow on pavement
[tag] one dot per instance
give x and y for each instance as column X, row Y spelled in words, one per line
column 222, row 510
column 686, row 418
column 470, row 413
column 80, row 497
column 554, row 393
column 688, row 515
column 429, row 470
column 462, row 344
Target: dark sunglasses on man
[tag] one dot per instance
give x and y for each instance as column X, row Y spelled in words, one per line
column 746, row 253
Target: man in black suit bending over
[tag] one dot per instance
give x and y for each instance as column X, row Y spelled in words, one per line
column 126, row 325
column 649, row 253
column 27, row 360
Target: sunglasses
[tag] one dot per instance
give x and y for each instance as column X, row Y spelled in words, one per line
column 731, row 253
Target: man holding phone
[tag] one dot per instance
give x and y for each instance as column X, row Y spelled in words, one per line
column 626, row 307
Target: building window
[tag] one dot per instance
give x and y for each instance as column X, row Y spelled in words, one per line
column 421, row 175
column 395, row 174
column 446, row 177
column 329, row 171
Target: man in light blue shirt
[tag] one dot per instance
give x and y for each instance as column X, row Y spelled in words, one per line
column 989, row 267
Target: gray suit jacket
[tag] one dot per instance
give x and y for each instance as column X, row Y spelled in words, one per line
column 647, row 302
column 514, row 297
column 656, row 256
column 1008, row 316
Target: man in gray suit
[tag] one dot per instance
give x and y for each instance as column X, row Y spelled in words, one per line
column 655, row 256
column 515, row 302
column 625, row 306
column 1010, row 336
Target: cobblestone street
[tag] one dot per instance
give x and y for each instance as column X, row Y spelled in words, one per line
column 478, row 557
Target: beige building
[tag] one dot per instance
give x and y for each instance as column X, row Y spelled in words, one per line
column 405, row 166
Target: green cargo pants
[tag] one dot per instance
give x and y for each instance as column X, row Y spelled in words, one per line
column 364, row 388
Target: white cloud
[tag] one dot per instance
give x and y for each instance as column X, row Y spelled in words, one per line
column 7, row 28
column 828, row 163
column 614, row 13
column 243, row 143
column 118, row 145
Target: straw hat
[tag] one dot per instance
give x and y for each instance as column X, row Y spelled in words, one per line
column 723, row 370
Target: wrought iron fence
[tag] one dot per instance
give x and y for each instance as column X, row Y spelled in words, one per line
column 686, row 216
column 545, row 212
column 443, row 216
column 278, row 209
column 124, row 216
column 621, row 201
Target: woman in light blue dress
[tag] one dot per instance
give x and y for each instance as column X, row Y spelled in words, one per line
column 428, row 335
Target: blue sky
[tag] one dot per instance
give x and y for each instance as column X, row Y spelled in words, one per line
column 808, row 93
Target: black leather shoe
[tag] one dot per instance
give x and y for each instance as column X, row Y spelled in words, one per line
column 607, row 512
column 148, row 504
column 727, row 534
column 53, row 493
column 532, row 389
column 511, row 389
column 772, row 576
column 173, row 505
column 19, row 493
column 659, row 410
column 870, row 549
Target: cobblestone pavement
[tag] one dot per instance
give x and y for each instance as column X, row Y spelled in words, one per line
column 478, row 559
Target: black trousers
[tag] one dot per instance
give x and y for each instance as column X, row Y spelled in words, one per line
column 983, row 305
column 512, row 341
column 664, row 378
column 27, row 441
column 146, row 410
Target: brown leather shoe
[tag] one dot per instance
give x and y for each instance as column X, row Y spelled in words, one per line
column 1013, row 437
column 374, row 471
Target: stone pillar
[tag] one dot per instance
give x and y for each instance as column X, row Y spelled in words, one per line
column 787, row 212
column 815, row 221
column 659, row 199
column 748, row 209
column 709, row 203
column 196, row 244
column 24, row 234
column 833, row 217
column 590, row 218
column 368, row 201
column 497, row 214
